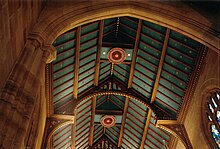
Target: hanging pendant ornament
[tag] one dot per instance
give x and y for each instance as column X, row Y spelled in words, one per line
column 108, row 121
column 116, row 55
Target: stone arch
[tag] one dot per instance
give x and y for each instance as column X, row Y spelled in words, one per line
column 59, row 18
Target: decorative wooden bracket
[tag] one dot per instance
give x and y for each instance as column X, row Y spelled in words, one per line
column 55, row 122
column 176, row 129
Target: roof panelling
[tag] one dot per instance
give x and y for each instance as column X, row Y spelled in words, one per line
column 122, row 72
column 98, row 130
column 176, row 72
column 108, row 105
column 155, row 136
column 178, row 65
column 113, row 133
column 118, row 100
column 100, row 100
column 128, row 27
column 62, row 137
column 148, row 57
column 114, row 102
column 88, row 51
column 63, row 68
column 105, row 68
column 134, row 125
column 83, row 118
column 109, row 26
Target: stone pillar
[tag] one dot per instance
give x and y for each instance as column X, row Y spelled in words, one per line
column 18, row 98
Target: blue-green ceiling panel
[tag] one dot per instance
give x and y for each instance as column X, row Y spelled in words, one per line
column 62, row 137
column 178, row 65
column 89, row 28
column 155, row 135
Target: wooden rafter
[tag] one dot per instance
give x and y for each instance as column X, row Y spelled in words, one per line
column 160, row 66
column 135, row 53
column 75, row 85
column 155, row 87
column 130, row 80
column 123, row 121
column 146, row 128
column 96, row 78
column 76, row 68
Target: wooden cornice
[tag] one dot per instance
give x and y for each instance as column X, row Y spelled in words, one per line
column 155, row 87
column 96, row 79
column 76, row 68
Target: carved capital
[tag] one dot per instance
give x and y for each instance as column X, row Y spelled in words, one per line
column 39, row 42
column 50, row 53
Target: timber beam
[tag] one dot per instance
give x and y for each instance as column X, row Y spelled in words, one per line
column 130, row 80
column 96, row 79
column 76, row 77
column 153, row 97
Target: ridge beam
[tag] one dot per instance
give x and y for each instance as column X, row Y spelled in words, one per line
column 75, row 85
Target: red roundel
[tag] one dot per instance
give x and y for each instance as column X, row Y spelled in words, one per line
column 108, row 121
column 116, row 55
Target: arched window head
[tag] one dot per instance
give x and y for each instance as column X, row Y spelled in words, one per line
column 213, row 118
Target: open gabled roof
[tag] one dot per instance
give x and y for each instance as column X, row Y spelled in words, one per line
column 158, row 68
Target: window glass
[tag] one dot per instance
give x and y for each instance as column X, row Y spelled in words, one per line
column 214, row 117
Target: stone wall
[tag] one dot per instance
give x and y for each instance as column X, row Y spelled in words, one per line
column 16, row 20
column 209, row 78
